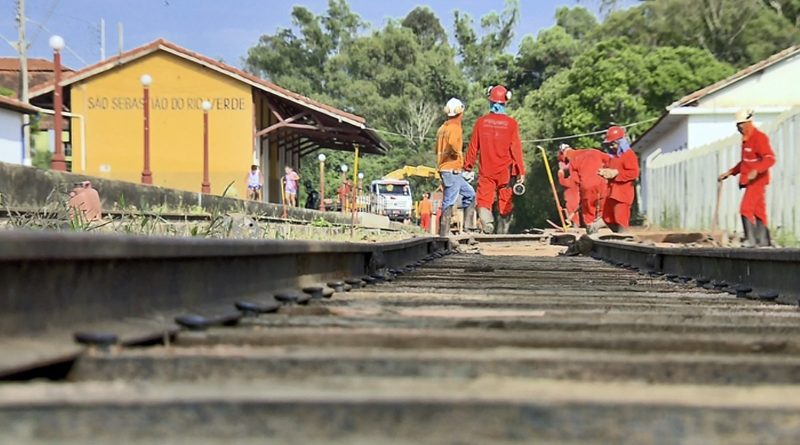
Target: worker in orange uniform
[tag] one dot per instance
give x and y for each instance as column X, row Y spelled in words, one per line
column 497, row 147
column 753, row 171
column 425, row 209
column 569, row 180
column 621, row 172
column 584, row 165
column 450, row 161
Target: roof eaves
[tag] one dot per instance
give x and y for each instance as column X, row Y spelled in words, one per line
column 740, row 75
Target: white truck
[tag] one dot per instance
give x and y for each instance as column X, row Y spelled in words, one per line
column 391, row 197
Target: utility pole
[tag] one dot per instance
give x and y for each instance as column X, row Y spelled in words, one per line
column 102, row 39
column 120, row 33
column 22, row 50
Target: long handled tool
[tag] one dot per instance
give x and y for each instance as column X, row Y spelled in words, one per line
column 715, row 218
column 553, row 187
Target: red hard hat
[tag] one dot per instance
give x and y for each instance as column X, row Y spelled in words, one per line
column 614, row 133
column 499, row 94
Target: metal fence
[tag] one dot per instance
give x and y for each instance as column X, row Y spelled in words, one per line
column 681, row 187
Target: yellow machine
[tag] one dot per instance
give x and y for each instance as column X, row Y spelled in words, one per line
column 420, row 171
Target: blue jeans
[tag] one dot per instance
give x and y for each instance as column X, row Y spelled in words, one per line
column 453, row 186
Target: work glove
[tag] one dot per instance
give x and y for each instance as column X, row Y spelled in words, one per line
column 468, row 176
column 563, row 166
column 724, row 176
column 520, row 179
column 752, row 176
column 608, row 173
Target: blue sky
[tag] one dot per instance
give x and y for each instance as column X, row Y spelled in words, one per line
column 217, row 28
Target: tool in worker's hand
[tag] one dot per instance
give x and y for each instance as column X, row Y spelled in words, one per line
column 553, row 187
column 715, row 218
column 519, row 189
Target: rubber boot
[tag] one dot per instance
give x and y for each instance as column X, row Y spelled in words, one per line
column 469, row 218
column 487, row 220
column 616, row 228
column 444, row 222
column 595, row 226
column 762, row 235
column 503, row 225
column 749, row 233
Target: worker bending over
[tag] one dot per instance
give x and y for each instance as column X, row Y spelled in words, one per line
column 496, row 145
column 753, row 171
column 569, row 180
column 621, row 172
column 584, row 166
column 450, row 161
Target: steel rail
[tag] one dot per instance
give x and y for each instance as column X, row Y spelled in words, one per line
column 764, row 270
column 62, row 282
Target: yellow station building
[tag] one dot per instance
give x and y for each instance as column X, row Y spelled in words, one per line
column 251, row 121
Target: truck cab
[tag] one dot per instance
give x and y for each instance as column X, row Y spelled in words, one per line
column 392, row 198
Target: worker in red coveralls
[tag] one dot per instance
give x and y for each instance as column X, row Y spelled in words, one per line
column 621, row 172
column 497, row 147
column 753, row 171
column 585, row 165
column 569, row 180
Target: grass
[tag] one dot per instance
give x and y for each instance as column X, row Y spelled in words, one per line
column 55, row 216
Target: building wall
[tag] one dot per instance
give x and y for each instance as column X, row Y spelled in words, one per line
column 10, row 137
column 775, row 86
column 113, row 108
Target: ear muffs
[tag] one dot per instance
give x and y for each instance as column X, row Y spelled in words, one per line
column 508, row 94
column 489, row 90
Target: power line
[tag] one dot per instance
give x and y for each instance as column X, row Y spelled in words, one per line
column 67, row 47
column 538, row 141
column 47, row 16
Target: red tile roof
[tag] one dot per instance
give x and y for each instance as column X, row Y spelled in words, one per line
column 750, row 70
column 34, row 65
column 13, row 104
column 165, row 45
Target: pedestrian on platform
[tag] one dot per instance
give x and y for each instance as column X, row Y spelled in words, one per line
column 584, row 165
column 450, row 161
column 753, row 171
column 255, row 183
column 425, row 210
column 569, row 180
column 496, row 146
column 312, row 196
column 291, row 180
column 621, row 173
column 344, row 195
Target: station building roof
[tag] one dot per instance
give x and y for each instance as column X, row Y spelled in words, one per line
column 319, row 125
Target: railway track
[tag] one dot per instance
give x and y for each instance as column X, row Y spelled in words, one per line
column 514, row 345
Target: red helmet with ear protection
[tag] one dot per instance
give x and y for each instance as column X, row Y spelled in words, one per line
column 499, row 94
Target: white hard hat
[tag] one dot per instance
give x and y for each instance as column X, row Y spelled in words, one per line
column 744, row 115
column 564, row 147
column 454, row 107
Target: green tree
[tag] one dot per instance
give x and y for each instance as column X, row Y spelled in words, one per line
column 577, row 22
column 740, row 32
column 552, row 51
column 480, row 56
column 426, row 26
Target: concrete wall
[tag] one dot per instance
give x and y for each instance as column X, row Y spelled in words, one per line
column 10, row 136
column 29, row 187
